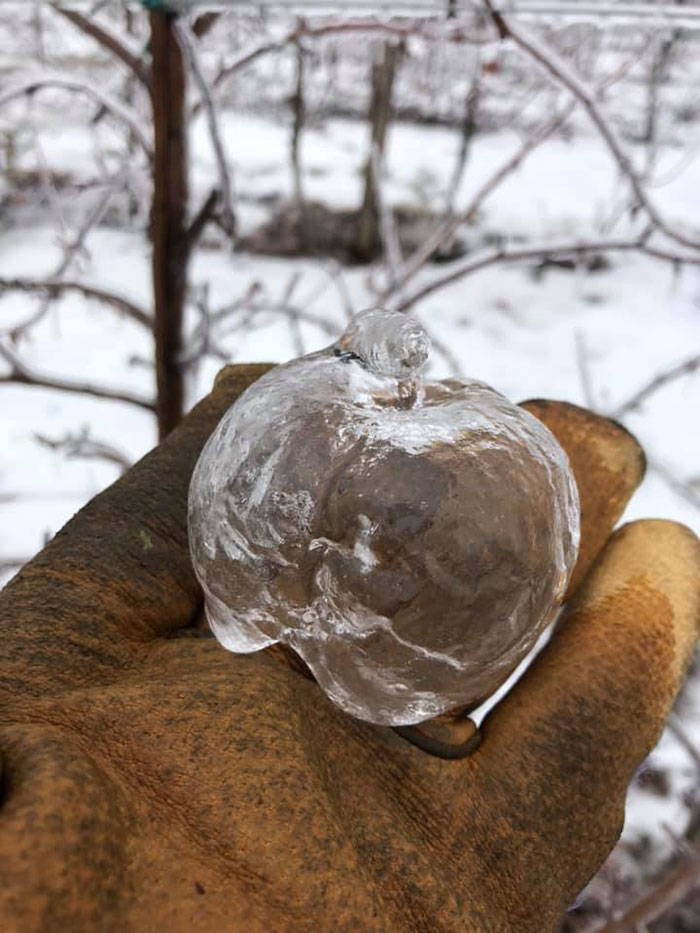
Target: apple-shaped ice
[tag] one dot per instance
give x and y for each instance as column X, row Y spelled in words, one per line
column 409, row 540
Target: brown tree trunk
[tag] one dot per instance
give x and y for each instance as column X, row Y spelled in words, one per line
column 367, row 239
column 168, row 217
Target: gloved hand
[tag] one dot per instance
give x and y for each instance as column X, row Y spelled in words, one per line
column 152, row 780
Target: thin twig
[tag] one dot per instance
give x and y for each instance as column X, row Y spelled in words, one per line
column 21, row 374
column 449, row 227
column 672, row 889
column 201, row 339
column 658, row 382
column 221, row 313
column 291, row 313
column 54, row 286
column 468, row 130
column 115, row 107
column 70, row 251
column 206, row 212
column 83, row 447
column 13, row 563
column 346, row 303
column 456, row 30
column 557, row 68
column 254, row 302
column 684, row 490
column 490, row 257
column 227, row 216
column 110, row 40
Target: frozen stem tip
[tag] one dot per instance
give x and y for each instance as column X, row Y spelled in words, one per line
column 389, row 343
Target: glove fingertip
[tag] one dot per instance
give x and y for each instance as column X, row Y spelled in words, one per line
column 608, row 463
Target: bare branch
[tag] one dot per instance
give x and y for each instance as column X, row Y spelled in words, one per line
column 253, row 289
column 115, row 107
column 490, row 257
column 466, row 136
column 245, row 58
column 444, row 233
column 254, row 302
column 449, row 227
column 70, row 251
column 206, row 212
column 13, row 563
column 117, row 45
column 557, row 68
column 336, row 275
column 83, row 447
column 467, row 29
column 77, row 243
column 672, row 888
column 659, row 381
column 227, row 216
column 54, row 287
column 201, row 341
column 22, row 374
column 684, row 490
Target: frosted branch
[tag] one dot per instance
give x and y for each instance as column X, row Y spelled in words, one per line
column 459, row 30
column 71, row 249
column 449, row 227
column 82, row 446
column 490, row 257
column 558, row 68
column 672, row 888
column 227, row 217
column 109, row 39
column 682, row 489
column 206, row 212
column 54, row 286
column 122, row 113
column 22, row 374
column 658, row 382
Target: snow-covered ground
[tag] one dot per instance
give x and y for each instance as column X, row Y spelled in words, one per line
column 515, row 330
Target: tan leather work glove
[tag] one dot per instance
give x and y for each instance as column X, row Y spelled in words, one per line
column 153, row 781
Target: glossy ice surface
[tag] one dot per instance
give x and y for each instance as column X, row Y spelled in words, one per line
column 409, row 540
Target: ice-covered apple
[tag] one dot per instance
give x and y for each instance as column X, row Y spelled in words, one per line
column 408, row 539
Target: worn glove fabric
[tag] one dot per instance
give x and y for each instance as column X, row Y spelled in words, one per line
column 150, row 779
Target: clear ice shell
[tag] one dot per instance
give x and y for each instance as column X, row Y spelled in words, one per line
column 410, row 542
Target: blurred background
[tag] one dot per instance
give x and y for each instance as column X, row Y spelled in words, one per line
column 229, row 182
